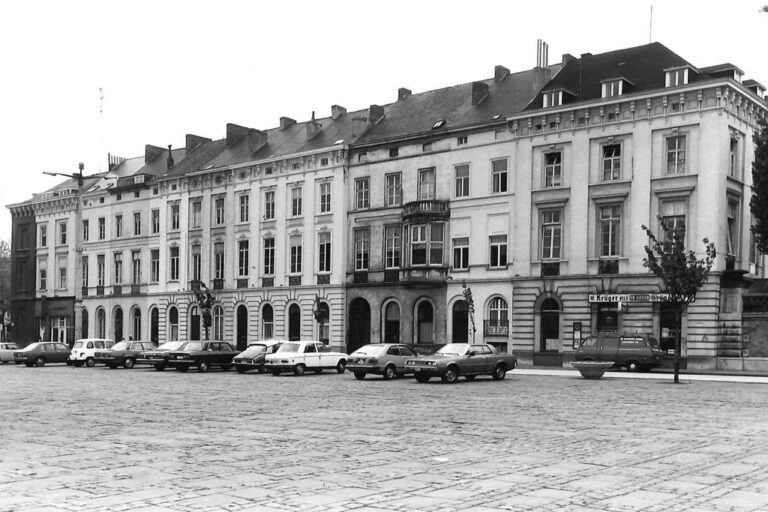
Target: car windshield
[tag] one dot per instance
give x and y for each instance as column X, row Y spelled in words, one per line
column 255, row 349
column 78, row 344
column 453, row 349
column 288, row 347
column 172, row 345
column 194, row 345
column 654, row 343
column 120, row 346
column 368, row 350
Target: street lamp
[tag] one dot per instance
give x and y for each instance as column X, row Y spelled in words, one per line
column 78, row 278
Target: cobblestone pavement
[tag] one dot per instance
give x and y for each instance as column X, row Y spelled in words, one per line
column 96, row 439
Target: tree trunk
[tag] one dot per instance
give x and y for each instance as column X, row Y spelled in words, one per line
column 678, row 341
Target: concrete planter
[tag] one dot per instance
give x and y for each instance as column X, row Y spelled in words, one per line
column 592, row 369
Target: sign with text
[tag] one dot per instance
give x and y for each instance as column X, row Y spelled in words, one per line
column 630, row 297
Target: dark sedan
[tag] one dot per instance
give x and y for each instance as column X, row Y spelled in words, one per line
column 203, row 355
column 41, row 353
column 158, row 356
column 457, row 359
column 124, row 353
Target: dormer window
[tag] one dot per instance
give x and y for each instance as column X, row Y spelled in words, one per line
column 676, row 76
column 553, row 98
column 615, row 87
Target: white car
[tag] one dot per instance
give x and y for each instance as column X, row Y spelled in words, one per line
column 84, row 351
column 6, row 352
column 299, row 356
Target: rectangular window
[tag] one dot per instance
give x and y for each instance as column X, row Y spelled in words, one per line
column 394, row 189
column 499, row 176
column 427, row 184
column 62, row 227
column 460, row 141
column 197, row 214
column 392, row 246
column 62, row 278
column 155, row 221
column 436, row 244
column 154, row 265
column 733, row 156
column 242, row 258
column 197, row 262
column 362, row 193
column 136, row 224
column 461, row 253
column 324, row 252
column 269, row 256
column 393, row 152
column 102, row 228
column 733, row 228
column 325, row 197
column 174, row 264
column 218, row 260
column 553, row 98
column 362, row 248
column 244, row 202
column 100, row 270
column 462, row 180
column 43, row 279
column 295, row 253
column 118, row 226
column 675, row 154
column 86, row 230
column 175, row 217
column 551, row 234
column 673, row 216
column 136, row 267
column 419, row 245
column 269, row 205
column 84, row 267
column 296, row 200
column 218, row 211
column 610, row 230
column 611, row 162
column 118, row 268
column 553, row 169
column 498, row 251
column 44, row 235
column 612, row 88
column 676, row 77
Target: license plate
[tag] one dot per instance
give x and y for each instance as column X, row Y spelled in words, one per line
column 417, row 369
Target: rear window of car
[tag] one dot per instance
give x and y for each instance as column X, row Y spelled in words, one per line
column 289, row 347
column 31, row 347
column 194, row 346
column 589, row 342
column 120, row 346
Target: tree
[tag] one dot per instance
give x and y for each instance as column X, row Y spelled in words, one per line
column 681, row 273
column 758, row 204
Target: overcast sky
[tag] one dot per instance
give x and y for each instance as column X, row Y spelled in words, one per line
column 80, row 79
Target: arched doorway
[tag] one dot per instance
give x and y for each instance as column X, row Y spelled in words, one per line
column 101, row 323
column 359, row 324
column 460, row 321
column 154, row 325
column 242, row 327
column 294, row 322
column 136, row 324
column 84, row 324
column 118, row 323
column 392, row 323
column 323, row 318
column 425, row 327
column 173, row 323
column 550, row 326
column 194, row 323
column 267, row 322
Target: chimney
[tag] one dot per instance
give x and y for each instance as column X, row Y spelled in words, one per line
column 500, row 73
column 337, row 112
column 113, row 161
column 286, row 122
column 151, row 153
column 567, row 57
column 359, row 124
column 169, row 160
column 235, row 134
column 193, row 141
column 403, row 93
column 313, row 127
column 542, row 54
column 479, row 92
column 375, row 113
column 256, row 139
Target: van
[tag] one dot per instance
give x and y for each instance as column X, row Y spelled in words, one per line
column 633, row 351
column 84, row 351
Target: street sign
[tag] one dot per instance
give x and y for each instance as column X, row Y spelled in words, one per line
column 630, row 297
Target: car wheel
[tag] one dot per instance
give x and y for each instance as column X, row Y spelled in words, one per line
column 40, row 361
column 341, row 367
column 182, row 368
column 470, row 377
column 90, row 362
column 298, row 370
column 359, row 375
column 421, row 378
column 202, row 366
column 129, row 363
column 261, row 369
column 633, row 366
column 159, row 367
column 240, row 369
column 78, row 364
column 275, row 372
column 451, row 375
column 499, row 372
column 112, row 366
column 389, row 372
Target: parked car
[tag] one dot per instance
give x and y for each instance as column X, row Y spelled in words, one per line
column 252, row 358
column 299, row 356
column 463, row 359
column 203, row 355
column 42, row 353
column 84, row 351
column 633, row 351
column 385, row 359
column 158, row 357
column 6, row 352
column 124, row 353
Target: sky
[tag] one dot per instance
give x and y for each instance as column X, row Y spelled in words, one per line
column 80, row 79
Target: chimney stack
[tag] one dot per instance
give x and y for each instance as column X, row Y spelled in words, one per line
column 169, row 160
column 286, row 122
column 113, row 161
column 567, row 57
column 359, row 124
column 193, row 141
column 479, row 92
column 313, row 127
column 337, row 112
column 151, row 153
column 542, row 54
column 500, row 73
column 375, row 113
column 403, row 93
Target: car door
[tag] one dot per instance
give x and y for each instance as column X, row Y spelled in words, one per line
column 311, row 356
column 406, row 353
column 61, row 352
column 474, row 362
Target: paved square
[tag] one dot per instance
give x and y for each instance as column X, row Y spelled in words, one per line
column 99, row 439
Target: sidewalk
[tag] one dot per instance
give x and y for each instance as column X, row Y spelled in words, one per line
column 659, row 374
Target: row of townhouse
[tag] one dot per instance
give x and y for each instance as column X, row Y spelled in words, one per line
column 506, row 210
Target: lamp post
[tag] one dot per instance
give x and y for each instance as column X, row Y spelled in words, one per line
column 78, row 277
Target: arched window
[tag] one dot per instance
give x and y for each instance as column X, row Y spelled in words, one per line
column 392, row 323
column 498, row 317
column 323, row 319
column 136, row 324
column 154, row 327
column 173, row 324
column 267, row 322
column 118, row 323
column 101, row 323
column 193, row 333
column 426, row 326
column 84, row 324
column 218, row 323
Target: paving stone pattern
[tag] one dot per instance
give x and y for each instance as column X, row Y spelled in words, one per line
column 90, row 439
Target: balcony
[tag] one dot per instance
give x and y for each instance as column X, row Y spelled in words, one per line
column 427, row 209
column 426, row 274
column 218, row 284
column 496, row 327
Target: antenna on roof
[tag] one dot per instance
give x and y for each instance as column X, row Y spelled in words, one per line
column 650, row 27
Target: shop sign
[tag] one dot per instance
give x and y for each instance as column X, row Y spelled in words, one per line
column 630, row 297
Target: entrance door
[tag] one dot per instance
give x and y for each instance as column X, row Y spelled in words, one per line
column 242, row 328
column 194, row 324
column 294, row 322
column 550, row 326
column 154, row 331
column 461, row 322
column 118, row 324
column 359, row 324
column 392, row 323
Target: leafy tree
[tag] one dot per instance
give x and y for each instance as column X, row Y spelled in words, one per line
column 758, row 204
column 681, row 273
